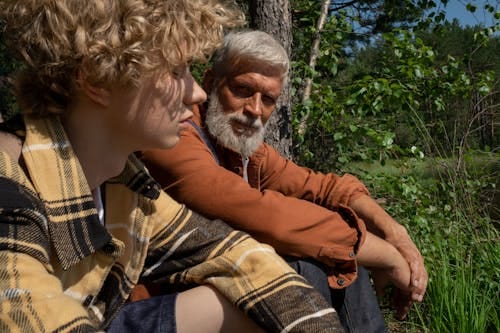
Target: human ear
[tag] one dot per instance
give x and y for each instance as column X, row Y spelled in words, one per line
column 98, row 95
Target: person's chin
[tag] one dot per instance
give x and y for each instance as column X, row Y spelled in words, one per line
column 169, row 142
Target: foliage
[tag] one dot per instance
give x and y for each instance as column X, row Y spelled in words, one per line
column 459, row 244
column 391, row 92
column 422, row 102
column 367, row 17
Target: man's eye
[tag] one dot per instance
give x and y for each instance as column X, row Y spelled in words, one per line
column 241, row 91
column 268, row 100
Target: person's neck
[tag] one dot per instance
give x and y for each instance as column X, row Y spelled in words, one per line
column 97, row 149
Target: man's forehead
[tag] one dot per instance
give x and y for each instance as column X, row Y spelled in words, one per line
column 242, row 66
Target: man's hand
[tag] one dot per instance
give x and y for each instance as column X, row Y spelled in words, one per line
column 401, row 298
column 379, row 222
column 388, row 266
column 419, row 277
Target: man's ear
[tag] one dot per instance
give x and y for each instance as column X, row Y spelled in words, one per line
column 208, row 81
column 98, row 95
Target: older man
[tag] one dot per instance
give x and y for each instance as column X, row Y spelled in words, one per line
column 324, row 224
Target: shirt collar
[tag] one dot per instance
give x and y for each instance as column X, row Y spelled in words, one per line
column 57, row 176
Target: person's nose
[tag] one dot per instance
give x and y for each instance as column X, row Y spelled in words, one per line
column 253, row 105
column 194, row 94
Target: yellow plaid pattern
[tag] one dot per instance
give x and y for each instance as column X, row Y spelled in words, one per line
column 61, row 270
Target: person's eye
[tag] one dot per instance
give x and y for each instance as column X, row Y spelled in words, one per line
column 179, row 71
column 268, row 100
column 241, row 91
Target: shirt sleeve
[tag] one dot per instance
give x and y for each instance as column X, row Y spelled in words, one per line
column 328, row 190
column 32, row 297
column 291, row 224
column 187, row 248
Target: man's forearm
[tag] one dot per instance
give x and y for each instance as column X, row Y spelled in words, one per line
column 377, row 220
column 378, row 253
column 383, row 225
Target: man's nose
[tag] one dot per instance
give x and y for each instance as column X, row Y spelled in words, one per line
column 253, row 105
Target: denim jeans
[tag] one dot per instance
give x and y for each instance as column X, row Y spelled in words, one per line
column 152, row 315
column 356, row 305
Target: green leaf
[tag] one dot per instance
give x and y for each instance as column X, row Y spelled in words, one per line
column 388, row 140
column 342, row 159
column 338, row 136
column 351, row 101
column 333, row 69
column 484, row 90
column 418, row 73
column 471, row 8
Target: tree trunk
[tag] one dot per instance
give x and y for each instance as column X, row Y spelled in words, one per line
column 312, row 60
column 275, row 18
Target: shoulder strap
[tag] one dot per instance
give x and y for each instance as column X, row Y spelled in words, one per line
column 205, row 139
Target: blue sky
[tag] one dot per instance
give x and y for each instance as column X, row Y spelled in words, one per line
column 457, row 9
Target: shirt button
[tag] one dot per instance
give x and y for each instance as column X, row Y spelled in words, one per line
column 352, row 254
column 340, row 282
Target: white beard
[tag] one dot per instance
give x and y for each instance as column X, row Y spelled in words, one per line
column 219, row 126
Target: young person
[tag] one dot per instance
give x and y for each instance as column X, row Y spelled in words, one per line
column 222, row 169
column 81, row 220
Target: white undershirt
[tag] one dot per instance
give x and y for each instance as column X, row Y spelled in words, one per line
column 98, row 202
column 245, row 161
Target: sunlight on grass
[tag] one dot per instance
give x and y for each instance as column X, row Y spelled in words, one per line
column 444, row 211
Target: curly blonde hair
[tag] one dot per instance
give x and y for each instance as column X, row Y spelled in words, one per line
column 110, row 41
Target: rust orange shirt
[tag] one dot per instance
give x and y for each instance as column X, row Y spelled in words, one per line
column 296, row 210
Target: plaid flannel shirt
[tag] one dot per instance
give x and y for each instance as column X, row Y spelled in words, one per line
column 62, row 270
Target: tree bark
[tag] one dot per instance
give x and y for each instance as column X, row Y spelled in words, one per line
column 312, row 61
column 275, row 18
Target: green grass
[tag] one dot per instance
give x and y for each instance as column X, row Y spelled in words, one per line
column 444, row 208
column 463, row 293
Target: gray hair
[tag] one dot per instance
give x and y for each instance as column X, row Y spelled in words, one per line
column 250, row 45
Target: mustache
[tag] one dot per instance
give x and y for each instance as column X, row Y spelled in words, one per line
column 247, row 121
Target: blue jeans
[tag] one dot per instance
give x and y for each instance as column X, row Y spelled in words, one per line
column 152, row 315
column 356, row 305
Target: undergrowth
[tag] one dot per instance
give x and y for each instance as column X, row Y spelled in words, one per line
column 447, row 217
